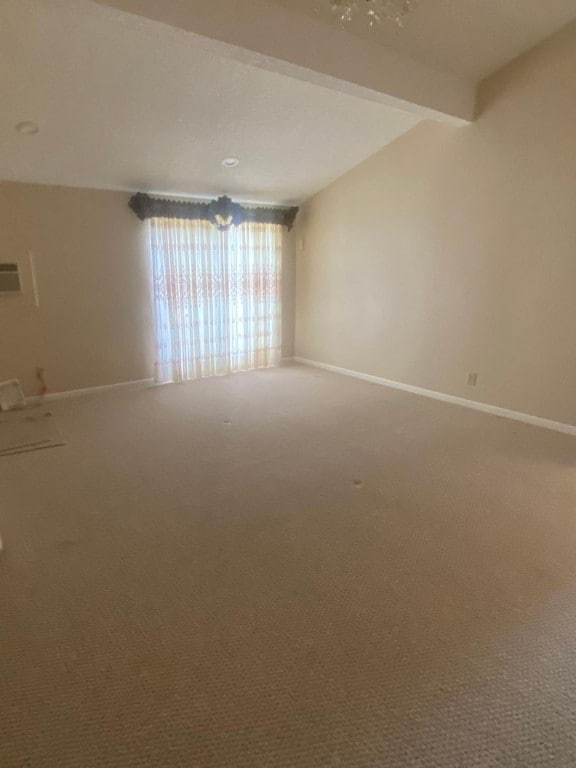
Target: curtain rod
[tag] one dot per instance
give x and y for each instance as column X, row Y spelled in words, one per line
column 222, row 213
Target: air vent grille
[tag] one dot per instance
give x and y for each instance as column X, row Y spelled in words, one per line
column 9, row 279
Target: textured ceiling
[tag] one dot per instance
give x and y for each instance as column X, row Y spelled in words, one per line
column 467, row 37
column 126, row 103
column 129, row 104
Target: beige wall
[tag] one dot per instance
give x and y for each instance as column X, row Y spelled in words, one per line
column 454, row 250
column 93, row 325
column 93, row 322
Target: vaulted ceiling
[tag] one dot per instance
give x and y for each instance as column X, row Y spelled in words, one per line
column 127, row 104
column 472, row 38
column 152, row 96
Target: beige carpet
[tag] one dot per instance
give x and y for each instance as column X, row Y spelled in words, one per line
column 30, row 429
column 288, row 569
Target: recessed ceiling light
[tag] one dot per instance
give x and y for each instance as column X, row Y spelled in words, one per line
column 28, row 128
column 230, row 162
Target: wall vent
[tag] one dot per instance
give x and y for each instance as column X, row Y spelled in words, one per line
column 9, row 279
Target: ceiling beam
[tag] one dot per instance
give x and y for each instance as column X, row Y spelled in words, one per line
column 270, row 36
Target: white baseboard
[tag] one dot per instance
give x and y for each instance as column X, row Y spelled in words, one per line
column 494, row 410
column 89, row 390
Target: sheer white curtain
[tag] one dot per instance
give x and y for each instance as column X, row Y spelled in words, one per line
column 217, row 303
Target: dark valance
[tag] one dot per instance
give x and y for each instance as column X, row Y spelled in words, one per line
column 222, row 213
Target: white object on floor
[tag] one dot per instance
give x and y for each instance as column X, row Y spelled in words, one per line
column 11, row 395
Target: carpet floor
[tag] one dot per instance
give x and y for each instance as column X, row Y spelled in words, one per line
column 288, row 569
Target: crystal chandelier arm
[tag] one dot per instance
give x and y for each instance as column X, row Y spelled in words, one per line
column 372, row 11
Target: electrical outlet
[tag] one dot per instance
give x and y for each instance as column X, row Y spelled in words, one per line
column 472, row 379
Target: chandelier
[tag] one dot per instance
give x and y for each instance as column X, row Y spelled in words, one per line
column 373, row 11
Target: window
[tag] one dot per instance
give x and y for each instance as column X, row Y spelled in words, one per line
column 217, row 301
